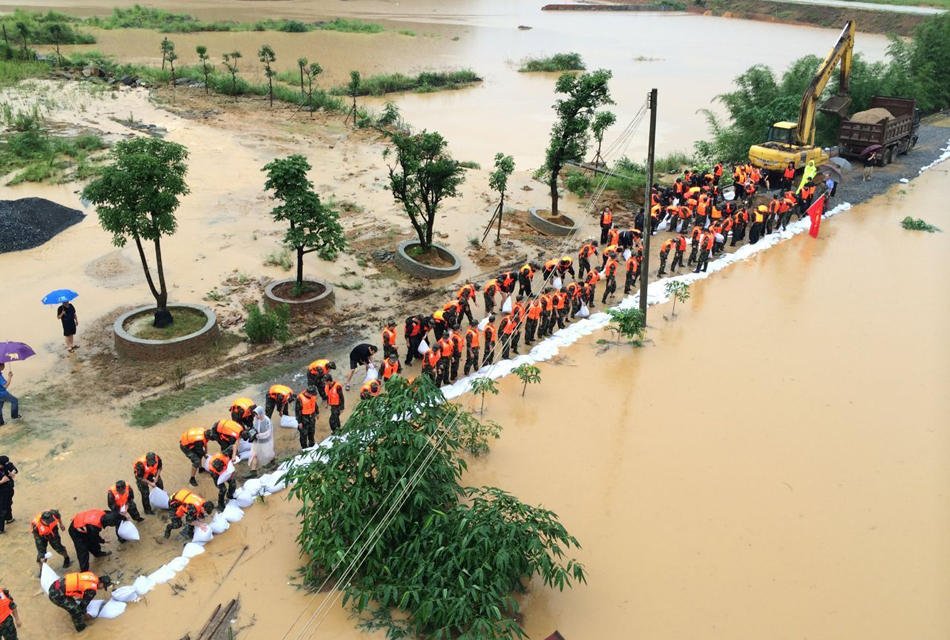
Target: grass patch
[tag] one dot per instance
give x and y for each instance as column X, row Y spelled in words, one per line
column 469, row 164
column 186, row 322
column 350, row 26
column 42, row 28
column 407, row 32
column 13, row 71
column 425, row 82
column 558, row 62
column 916, row 224
column 282, row 259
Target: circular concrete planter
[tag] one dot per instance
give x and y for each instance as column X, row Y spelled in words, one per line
column 320, row 301
column 550, row 228
column 141, row 349
column 420, row 270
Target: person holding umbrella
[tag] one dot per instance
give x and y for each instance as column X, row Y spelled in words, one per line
column 65, row 313
column 6, row 396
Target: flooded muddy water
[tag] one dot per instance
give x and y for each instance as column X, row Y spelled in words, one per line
column 689, row 58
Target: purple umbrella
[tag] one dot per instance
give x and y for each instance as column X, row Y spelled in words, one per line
column 15, row 351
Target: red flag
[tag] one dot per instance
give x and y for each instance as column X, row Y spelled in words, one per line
column 814, row 212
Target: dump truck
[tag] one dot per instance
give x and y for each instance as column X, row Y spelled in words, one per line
column 893, row 136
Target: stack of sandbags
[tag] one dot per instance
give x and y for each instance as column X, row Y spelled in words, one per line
column 872, row 116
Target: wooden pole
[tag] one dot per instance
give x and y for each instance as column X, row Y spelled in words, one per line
column 647, row 222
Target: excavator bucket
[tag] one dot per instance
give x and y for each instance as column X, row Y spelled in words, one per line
column 837, row 105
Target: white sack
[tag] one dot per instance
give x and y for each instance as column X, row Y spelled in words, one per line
column 158, row 498
column 219, row 524
column 483, row 323
column 506, row 305
column 557, row 283
column 583, row 312
column 243, row 447
column 203, row 533
column 226, row 474
column 288, row 422
column 423, row 347
column 626, row 254
column 125, row 594
column 94, row 606
column 243, row 498
column 143, row 584
column 720, row 238
column 253, row 486
column 664, row 225
column 47, row 577
column 177, row 564
column 162, row 575
column 112, row 609
column 371, row 373
column 191, row 550
column 232, row 512
column 128, row 531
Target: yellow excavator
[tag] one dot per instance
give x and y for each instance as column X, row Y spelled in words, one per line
column 795, row 141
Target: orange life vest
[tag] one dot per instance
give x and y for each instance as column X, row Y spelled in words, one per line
column 789, row 173
column 593, row 277
column 534, row 310
column 774, row 205
column 446, row 347
column 508, row 325
column 613, row 236
column 491, row 333
column 389, row 370
column 681, row 243
column 44, row 530
column 192, row 437
column 550, row 265
column 224, row 464
column 526, row 271
column 586, row 251
column 230, row 429
column 370, row 389
column 76, row 584
column 465, row 293
column 389, row 337
column 6, row 606
column 560, row 300
column 149, row 471
column 632, row 264
column 458, row 342
column 471, row 336
column 307, row 403
column 121, row 498
column 611, row 267
column 184, row 497
column 606, row 218
column 280, row 392
column 91, row 517
column 243, row 407
column 318, row 367
column 491, row 287
column 333, row 391
column 432, row 358
column 666, row 246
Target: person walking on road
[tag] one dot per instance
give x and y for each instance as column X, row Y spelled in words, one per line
column 66, row 313
column 6, row 396
column 307, row 412
column 147, row 471
column 8, row 473
column 47, row 530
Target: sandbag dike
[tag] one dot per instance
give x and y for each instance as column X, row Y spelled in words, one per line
column 29, row 222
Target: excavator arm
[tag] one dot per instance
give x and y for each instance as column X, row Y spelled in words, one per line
column 842, row 52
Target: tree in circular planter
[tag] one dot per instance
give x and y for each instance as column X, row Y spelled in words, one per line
column 312, row 225
column 423, row 175
column 136, row 197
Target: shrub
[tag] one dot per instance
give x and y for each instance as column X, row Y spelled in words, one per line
column 268, row 325
column 558, row 62
column 579, row 183
column 916, row 224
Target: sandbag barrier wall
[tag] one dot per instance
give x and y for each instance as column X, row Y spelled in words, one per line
column 545, row 350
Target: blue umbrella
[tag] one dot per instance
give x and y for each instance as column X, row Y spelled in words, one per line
column 59, row 296
column 15, row 351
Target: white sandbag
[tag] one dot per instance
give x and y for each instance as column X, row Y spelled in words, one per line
column 47, row 555
column 423, row 347
column 112, row 609
column 603, row 274
column 557, row 283
column 664, row 225
column 720, row 238
column 226, row 474
column 506, row 305
column 128, row 531
column 143, row 584
column 47, row 577
column 243, row 450
column 178, row 564
column 158, row 498
column 94, row 606
column 371, row 373
column 275, row 481
column 729, row 193
column 288, row 422
column 232, row 512
column 125, row 594
column 219, row 524
column 243, row 498
column 203, row 533
column 626, row 254
column 162, row 575
column 191, row 550
column 253, row 486
column 583, row 312
column 483, row 323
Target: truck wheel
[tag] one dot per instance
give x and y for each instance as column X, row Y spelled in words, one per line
column 888, row 156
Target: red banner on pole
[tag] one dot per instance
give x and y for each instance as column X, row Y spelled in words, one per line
column 815, row 210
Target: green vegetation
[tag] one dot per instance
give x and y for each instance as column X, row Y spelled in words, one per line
column 425, row 82
column 39, row 28
column 627, row 323
column 36, row 155
column 282, row 259
column 464, row 552
column 350, row 26
column 528, row 374
column 919, row 69
column 268, row 325
column 558, row 62
column 187, row 321
column 940, row 4
column 481, row 387
column 679, row 291
column 13, row 71
column 916, row 224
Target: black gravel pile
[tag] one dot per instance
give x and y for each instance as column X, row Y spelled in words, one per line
column 29, row 222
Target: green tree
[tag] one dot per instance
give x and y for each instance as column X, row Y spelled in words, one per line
column 463, row 552
column 171, row 56
column 423, row 175
column 628, row 323
column 302, row 66
column 136, row 197
column 583, row 94
column 481, row 387
column 206, row 67
column 679, row 291
column 312, row 72
column 267, row 57
column 166, row 46
column 353, row 90
column 231, row 63
column 312, row 225
column 528, row 374
column 57, row 32
column 602, row 121
column 498, row 181
column 23, row 30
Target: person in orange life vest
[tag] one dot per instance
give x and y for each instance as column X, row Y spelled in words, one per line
column 439, row 325
column 680, row 247
column 121, row 499
column 430, row 363
column 279, row 397
column 610, row 272
column 491, row 337
column 489, row 292
column 532, row 316
column 587, row 251
column 466, row 297
column 785, row 211
column 719, row 240
column 226, row 433
column 306, row 413
column 370, row 389
column 788, row 176
column 46, row 527
column 758, row 226
column 694, row 237
column 562, row 307
column 664, row 255
column 606, row 222
column 74, row 591
column 186, row 508
column 565, row 266
column 446, row 350
column 450, row 313
column 576, row 292
column 741, row 223
column 507, row 281
column 472, row 343
column 525, row 275
column 592, row 279
column 389, row 338
column 705, row 249
column 391, row 367
column 547, row 312
column 508, row 329
column 458, row 341
column 84, row 531
column 773, row 218
column 717, row 173
column 632, row 272
column 217, row 465
column 678, row 188
column 194, row 445
column 613, row 236
column 147, row 472
column 337, row 403
column 317, row 373
column 242, row 410
column 9, row 616
column 805, row 197
column 413, row 330
column 547, row 269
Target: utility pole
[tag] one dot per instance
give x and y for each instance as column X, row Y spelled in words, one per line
column 647, row 221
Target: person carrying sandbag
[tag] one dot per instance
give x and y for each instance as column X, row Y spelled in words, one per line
column 85, row 530
column 47, row 527
column 148, row 474
column 187, row 508
column 217, row 468
column 74, row 591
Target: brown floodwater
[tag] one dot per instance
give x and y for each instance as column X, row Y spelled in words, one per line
column 689, row 58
